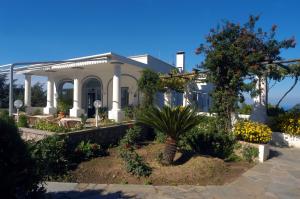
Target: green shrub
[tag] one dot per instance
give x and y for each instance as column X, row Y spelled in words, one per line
column 50, row 153
column 64, row 105
column 23, row 121
column 103, row 113
column 132, row 136
column 129, row 112
column 86, row 151
column 208, row 139
column 133, row 162
column 289, row 123
column 160, row 137
column 19, row 174
column 49, row 126
column 249, row 153
column 245, row 109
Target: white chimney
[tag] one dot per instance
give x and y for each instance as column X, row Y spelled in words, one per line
column 180, row 61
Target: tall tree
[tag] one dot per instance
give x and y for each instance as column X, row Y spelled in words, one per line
column 38, row 95
column 4, row 88
column 233, row 53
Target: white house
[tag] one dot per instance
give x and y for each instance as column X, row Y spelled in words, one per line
column 108, row 77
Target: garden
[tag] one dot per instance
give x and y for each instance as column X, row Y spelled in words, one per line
column 170, row 145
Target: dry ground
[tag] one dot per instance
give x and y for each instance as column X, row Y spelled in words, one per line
column 195, row 170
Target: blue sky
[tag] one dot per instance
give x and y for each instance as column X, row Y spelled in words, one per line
column 39, row 30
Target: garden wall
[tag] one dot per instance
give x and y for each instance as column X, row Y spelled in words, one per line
column 105, row 136
column 283, row 139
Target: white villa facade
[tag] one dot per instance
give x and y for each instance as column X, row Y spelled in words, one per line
column 108, row 77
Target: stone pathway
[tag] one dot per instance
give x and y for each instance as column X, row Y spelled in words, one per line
column 277, row 178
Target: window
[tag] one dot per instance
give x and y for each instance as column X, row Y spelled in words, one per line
column 124, row 97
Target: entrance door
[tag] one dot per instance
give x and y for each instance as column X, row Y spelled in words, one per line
column 124, row 97
column 91, row 97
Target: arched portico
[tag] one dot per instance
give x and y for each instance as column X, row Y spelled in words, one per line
column 92, row 89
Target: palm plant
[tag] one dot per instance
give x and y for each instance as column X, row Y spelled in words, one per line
column 171, row 121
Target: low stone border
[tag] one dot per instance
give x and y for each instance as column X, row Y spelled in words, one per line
column 29, row 134
column 283, row 139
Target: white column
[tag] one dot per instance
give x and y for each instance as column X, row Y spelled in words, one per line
column 49, row 109
column 55, row 95
column 168, row 98
column 27, row 93
column 115, row 113
column 76, row 111
column 259, row 113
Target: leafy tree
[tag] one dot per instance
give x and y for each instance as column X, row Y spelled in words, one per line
column 38, row 95
column 4, row 88
column 149, row 85
column 174, row 122
column 234, row 53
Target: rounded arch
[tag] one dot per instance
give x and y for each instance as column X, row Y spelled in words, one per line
column 65, row 89
column 92, row 89
column 126, row 75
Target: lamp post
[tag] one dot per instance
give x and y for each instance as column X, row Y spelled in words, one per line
column 18, row 104
column 97, row 105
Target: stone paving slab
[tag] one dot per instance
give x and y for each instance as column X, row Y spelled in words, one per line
column 277, row 178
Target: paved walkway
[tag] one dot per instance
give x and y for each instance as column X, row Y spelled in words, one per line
column 279, row 177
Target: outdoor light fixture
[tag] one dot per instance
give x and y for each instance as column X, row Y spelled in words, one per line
column 97, row 105
column 18, row 104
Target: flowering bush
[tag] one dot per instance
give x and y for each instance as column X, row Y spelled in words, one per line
column 87, row 150
column 290, row 124
column 252, row 132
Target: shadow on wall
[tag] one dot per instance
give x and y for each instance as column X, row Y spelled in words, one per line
column 87, row 194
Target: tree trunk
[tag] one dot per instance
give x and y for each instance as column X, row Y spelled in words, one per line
column 287, row 92
column 170, row 151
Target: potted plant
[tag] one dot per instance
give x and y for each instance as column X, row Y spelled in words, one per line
column 63, row 107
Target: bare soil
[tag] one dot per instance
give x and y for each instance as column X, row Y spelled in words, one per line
column 187, row 170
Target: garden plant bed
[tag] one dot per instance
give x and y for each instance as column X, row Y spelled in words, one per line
column 193, row 170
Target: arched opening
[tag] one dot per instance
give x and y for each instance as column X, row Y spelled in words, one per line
column 65, row 96
column 91, row 91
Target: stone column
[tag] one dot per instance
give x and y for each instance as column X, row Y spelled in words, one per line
column 259, row 113
column 27, row 93
column 168, row 98
column 55, row 95
column 49, row 109
column 115, row 113
column 76, row 111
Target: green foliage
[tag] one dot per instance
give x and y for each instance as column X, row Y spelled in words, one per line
column 249, row 153
column 38, row 95
column 64, row 105
column 160, row 137
column 289, row 123
column 133, row 162
column 245, row 109
column 274, row 111
column 50, row 153
column 131, row 137
column 49, row 126
column 23, row 121
column 87, row 150
column 19, row 175
column 171, row 121
column 103, row 113
column 233, row 53
column 129, row 112
column 207, row 138
column 149, row 85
